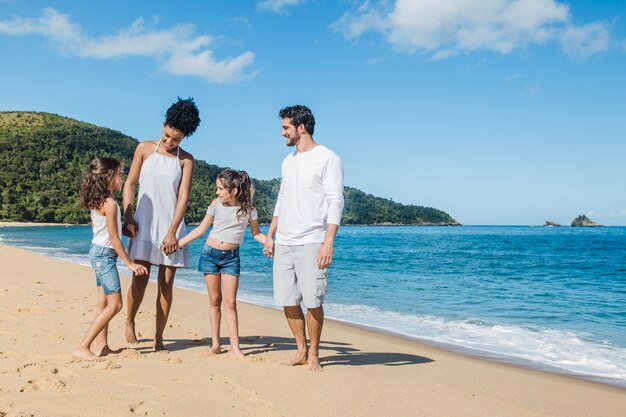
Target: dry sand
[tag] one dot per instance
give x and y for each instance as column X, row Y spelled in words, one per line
column 47, row 304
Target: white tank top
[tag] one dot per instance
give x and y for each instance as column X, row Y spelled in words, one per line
column 99, row 227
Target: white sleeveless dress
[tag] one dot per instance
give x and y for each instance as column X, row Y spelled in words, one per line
column 159, row 180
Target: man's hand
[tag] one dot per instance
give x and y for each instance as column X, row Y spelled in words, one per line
column 325, row 255
column 268, row 248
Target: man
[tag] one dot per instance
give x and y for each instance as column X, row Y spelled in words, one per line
column 305, row 223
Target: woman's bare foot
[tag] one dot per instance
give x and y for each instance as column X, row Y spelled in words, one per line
column 158, row 346
column 314, row 363
column 86, row 354
column 130, row 333
column 298, row 359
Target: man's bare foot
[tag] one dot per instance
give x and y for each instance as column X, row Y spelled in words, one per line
column 298, row 359
column 314, row 363
column 130, row 333
column 86, row 354
column 158, row 346
column 103, row 351
column 237, row 354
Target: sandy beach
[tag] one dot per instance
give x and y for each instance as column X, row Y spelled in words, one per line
column 47, row 305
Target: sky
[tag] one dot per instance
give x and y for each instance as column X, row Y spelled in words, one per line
column 503, row 112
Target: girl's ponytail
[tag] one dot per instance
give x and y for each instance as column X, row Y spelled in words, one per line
column 241, row 180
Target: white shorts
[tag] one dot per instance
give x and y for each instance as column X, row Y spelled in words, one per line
column 297, row 279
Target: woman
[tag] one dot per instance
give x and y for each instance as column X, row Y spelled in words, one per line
column 163, row 172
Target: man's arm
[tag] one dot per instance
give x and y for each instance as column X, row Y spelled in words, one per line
column 268, row 248
column 332, row 180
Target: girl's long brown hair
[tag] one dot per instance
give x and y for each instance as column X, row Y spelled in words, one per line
column 245, row 190
column 95, row 187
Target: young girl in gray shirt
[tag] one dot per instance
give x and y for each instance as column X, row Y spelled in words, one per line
column 230, row 213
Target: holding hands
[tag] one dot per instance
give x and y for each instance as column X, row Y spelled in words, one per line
column 268, row 248
column 129, row 227
column 169, row 244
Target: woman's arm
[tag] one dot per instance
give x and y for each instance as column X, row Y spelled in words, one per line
column 170, row 242
column 110, row 212
column 129, row 227
column 256, row 232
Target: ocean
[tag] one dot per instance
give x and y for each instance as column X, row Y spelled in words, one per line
column 547, row 298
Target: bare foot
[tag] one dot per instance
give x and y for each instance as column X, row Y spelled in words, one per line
column 103, row 351
column 130, row 333
column 158, row 346
column 86, row 354
column 237, row 354
column 314, row 363
column 215, row 350
column 298, row 359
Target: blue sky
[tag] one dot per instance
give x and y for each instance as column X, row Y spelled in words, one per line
column 496, row 111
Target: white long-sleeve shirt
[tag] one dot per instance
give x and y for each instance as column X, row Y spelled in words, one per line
column 310, row 196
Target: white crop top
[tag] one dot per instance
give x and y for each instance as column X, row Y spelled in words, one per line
column 99, row 227
column 228, row 227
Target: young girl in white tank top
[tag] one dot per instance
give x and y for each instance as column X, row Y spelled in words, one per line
column 230, row 213
column 103, row 178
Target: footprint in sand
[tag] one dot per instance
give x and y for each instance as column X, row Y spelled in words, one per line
column 174, row 360
column 109, row 365
column 43, row 384
column 252, row 403
column 142, row 409
column 129, row 354
column 256, row 359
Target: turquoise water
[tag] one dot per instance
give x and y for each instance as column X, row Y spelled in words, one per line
column 550, row 298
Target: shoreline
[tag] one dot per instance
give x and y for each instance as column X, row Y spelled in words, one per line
column 470, row 352
column 48, row 303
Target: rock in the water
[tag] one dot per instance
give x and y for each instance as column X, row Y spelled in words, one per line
column 584, row 221
column 551, row 224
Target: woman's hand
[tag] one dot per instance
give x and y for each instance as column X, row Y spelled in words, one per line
column 130, row 228
column 169, row 244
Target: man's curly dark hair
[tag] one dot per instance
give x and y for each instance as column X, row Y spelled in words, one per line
column 299, row 115
column 184, row 116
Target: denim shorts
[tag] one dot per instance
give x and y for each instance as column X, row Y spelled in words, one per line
column 104, row 262
column 216, row 261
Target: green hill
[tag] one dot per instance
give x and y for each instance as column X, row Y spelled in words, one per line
column 43, row 157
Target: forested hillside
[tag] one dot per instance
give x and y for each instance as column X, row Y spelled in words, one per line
column 43, row 156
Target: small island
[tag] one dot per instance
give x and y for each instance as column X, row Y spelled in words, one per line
column 584, row 221
column 551, row 224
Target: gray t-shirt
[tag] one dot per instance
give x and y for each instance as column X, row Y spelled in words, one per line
column 228, row 227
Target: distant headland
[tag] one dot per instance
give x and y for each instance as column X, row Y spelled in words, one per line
column 43, row 157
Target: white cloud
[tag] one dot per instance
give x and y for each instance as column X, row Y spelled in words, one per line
column 277, row 6
column 533, row 90
column 515, row 76
column 177, row 50
column 376, row 60
column 586, row 40
column 445, row 28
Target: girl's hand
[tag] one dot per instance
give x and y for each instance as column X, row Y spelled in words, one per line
column 169, row 244
column 130, row 228
column 138, row 269
column 268, row 248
